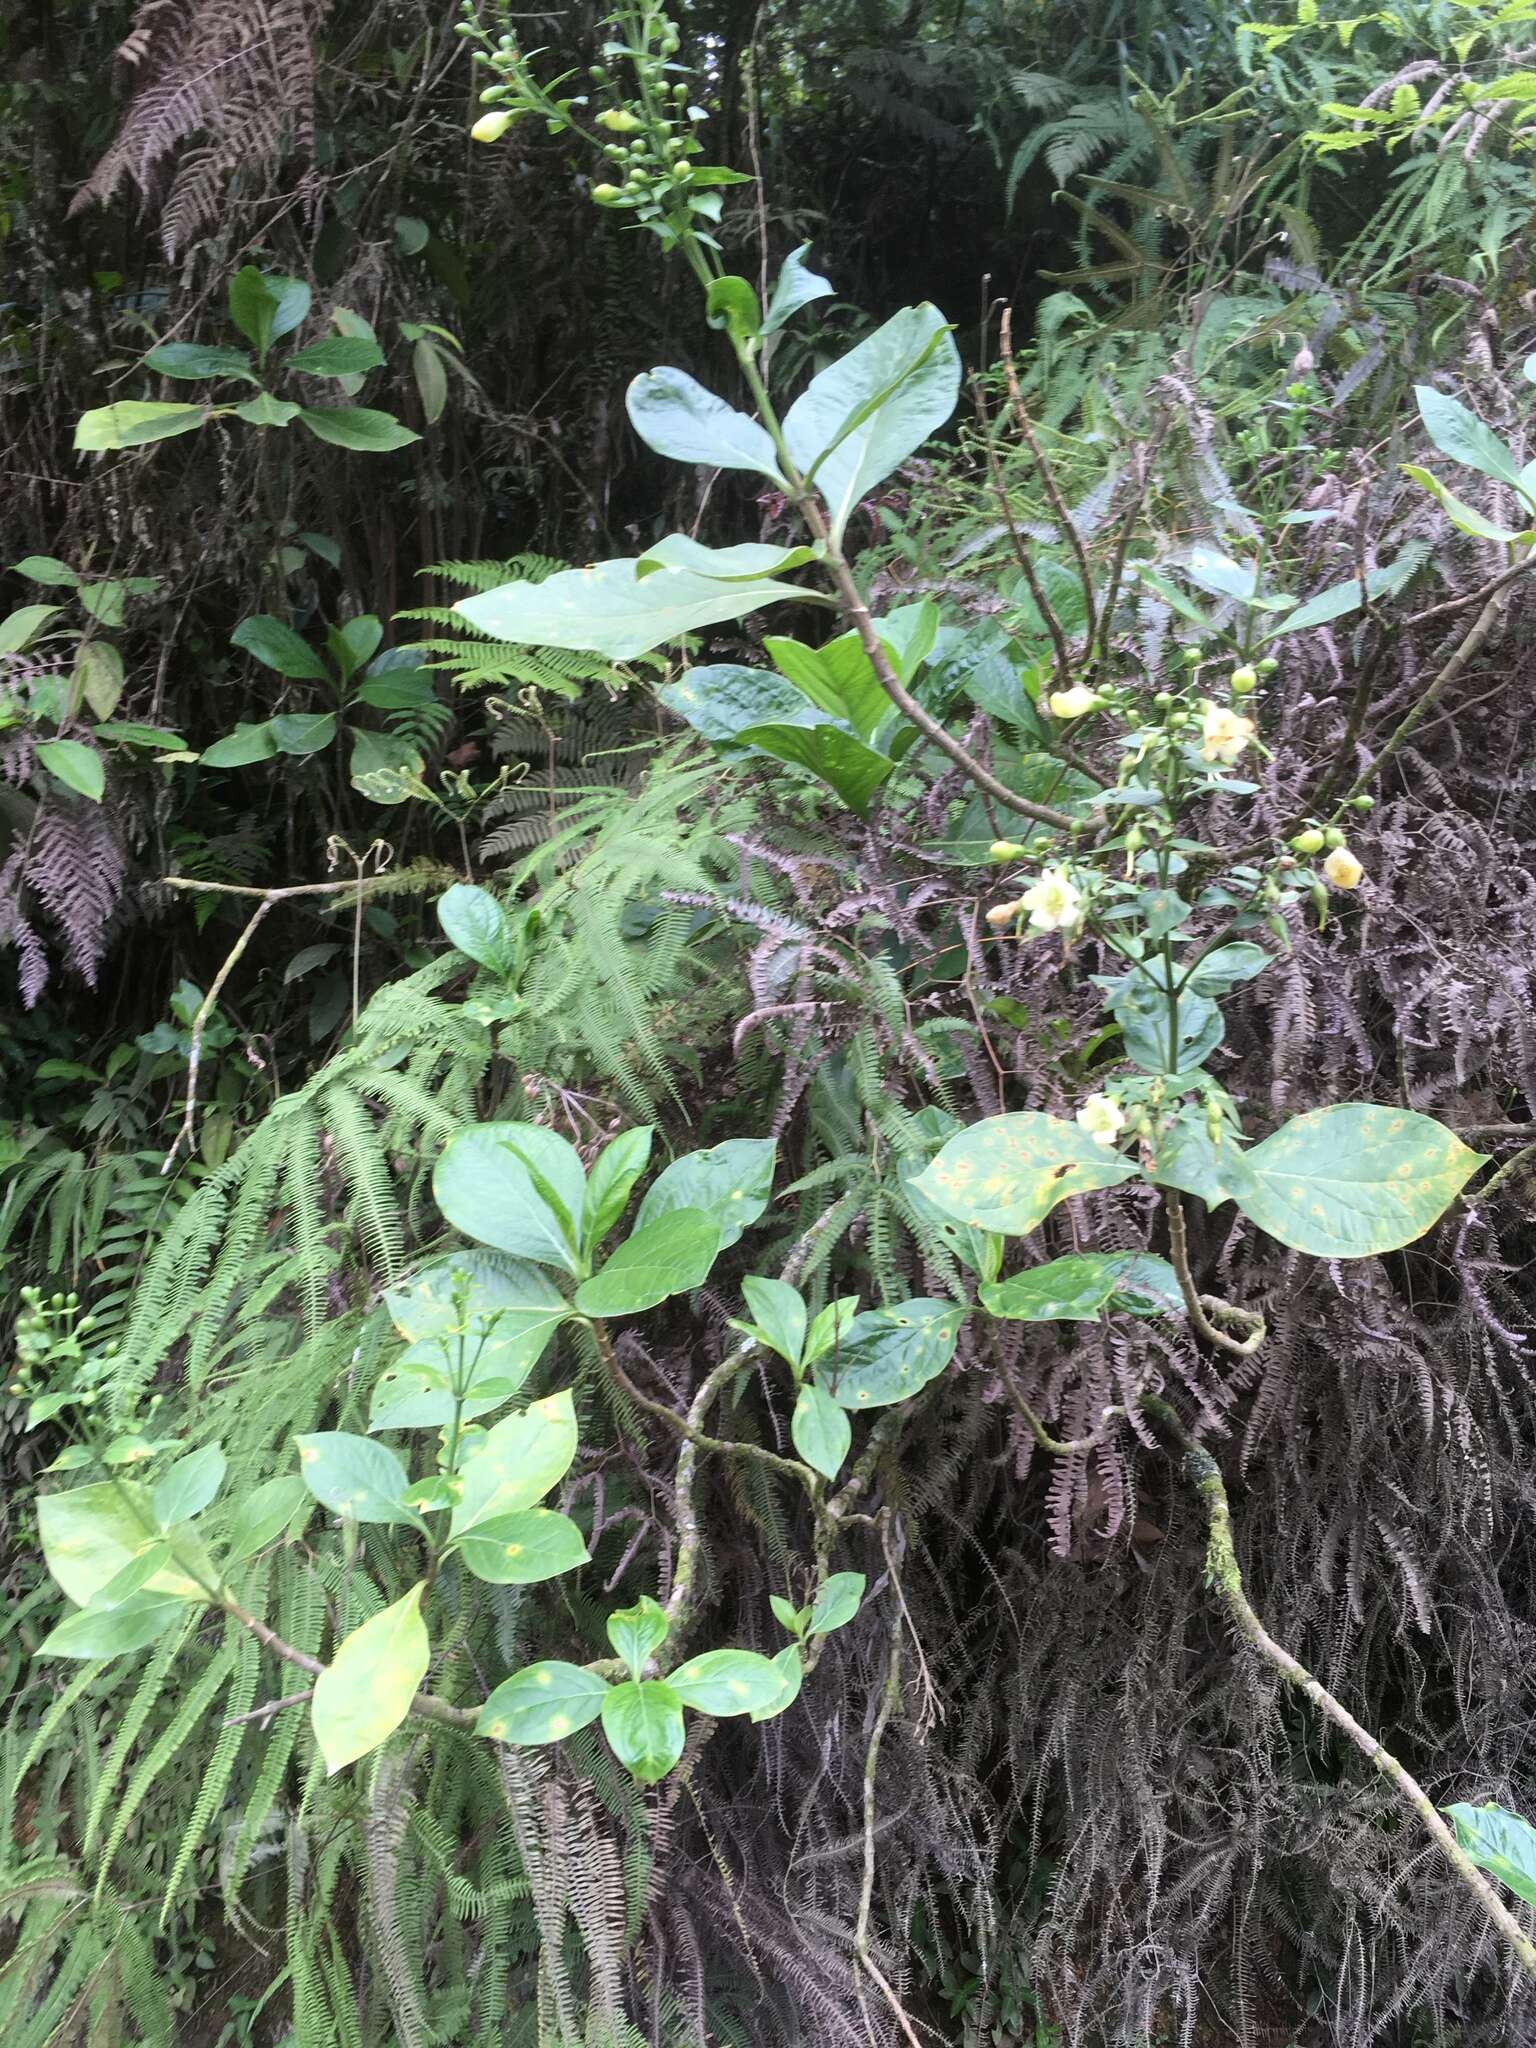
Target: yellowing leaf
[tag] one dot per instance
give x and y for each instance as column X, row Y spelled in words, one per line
column 366, row 1691
column 1007, row 1173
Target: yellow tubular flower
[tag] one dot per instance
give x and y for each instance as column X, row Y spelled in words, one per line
column 1073, row 703
column 491, row 127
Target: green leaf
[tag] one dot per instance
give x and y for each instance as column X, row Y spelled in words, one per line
column 542, row 1703
column 253, row 307
column 475, row 922
column 1225, row 966
column 354, row 643
column 264, row 1514
column 242, row 747
column 828, row 1328
column 352, row 1475
column 676, row 416
column 132, row 422
column 725, row 1682
column 1069, row 1290
column 743, row 563
column 267, row 411
column 1354, row 1180
column 366, row 1691
column 278, row 647
column 613, row 1174
column 820, row 1430
column 99, row 676
column 795, row 287
column 383, row 767
column 76, row 765
column 731, row 305
column 721, row 700
column 121, row 732
column 517, row 1463
column 1499, row 1842
column 611, row 609
column 1141, row 1011
column 839, row 679
column 46, row 569
column 1007, row 1173
column 791, row 1672
column 431, row 380
column 134, row 1623
column 303, row 732
column 134, row 1576
column 888, row 1353
column 1334, row 603
column 843, row 762
column 779, row 1314
column 524, row 1549
column 186, row 1489
column 89, row 1534
column 670, row 1254
column 491, row 1344
column 1462, row 435
column 836, row 1604
column 644, row 1727
column 1148, row 1287
column 731, row 1183
column 859, row 419
column 638, row 1632
column 1461, row 515
column 21, row 627
column 1186, row 1159
column 339, row 355
column 191, row 359
column 787, row 1615
column 359, row 427
column 517, row 1187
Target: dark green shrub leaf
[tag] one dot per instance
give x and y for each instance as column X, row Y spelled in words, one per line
column 339, row 355
column 188, row 359
column 475, row 922
column 644, row 1726
column 77, row 766
column 359, row 427
column 278, row 647
column 888, row 1353
column 778, row 1315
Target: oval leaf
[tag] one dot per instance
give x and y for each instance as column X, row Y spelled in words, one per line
column 888, row 1353
column 76, row 765
column 524, row 1549
column 644, row 1726
column 675, row 415
column 820, row 1430
column 669, row 1255
column 1354, row 1180
column 1007, row 1173
column 352, row 1475
column 731, row 1183
column 517, row 1463
column 515, row 1186
column 836, row 1604
column 724, row 1682
column 611, row 609
column 542, row 1703
column 366, row 1691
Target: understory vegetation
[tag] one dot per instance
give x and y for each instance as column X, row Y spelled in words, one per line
column 768, row 927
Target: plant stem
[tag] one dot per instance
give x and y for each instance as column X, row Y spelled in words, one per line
column 1224, row 1575
column 1201, row 1307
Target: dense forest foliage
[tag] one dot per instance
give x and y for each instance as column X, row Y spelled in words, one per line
column 712, row 715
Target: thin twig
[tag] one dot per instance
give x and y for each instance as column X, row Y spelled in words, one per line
column 1202, row 1308
column 187, row 1131
column 1047, row 475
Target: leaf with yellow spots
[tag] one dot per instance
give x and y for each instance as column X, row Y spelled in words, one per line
column 722, row 1682
column 366, row 1691
column 1354, row 1180
column 1077, row 1287
column 352, row 1475
column 517, row 1462
column 888, row 1353
column 670, row 1254
column 525, row 1548
column 1007, row 1173
column 542, row 1703
column 730, row 1182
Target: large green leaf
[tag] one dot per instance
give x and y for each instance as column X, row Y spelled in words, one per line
column 489, row 1345
column 1466, row 518
column 21, row 627
column 1462, row 435
column 743, row 563
column 142, row 1618
column 724, row 1682
column 669, row 1254
column 791, row 1672
column 611, row 609
column 731, row 1183
column 352, row 1475
column 474, row 922
column 265, row 1513
column 338, row 355
column 243, row 747
column 188, row 1486
column 1007, row 1173
column 1074, row 1289
column 524, row 1549
column 614, row 1173
column 192, row 359
column 517, row 1463
column 133, row 421
column 77, row 766
column 92, row 1533
column 889, row 1353
column 675, row 415
column 542, row 1703
column 1186, row 1159
column 836, row 1604
column 834, row 756
column 819, row 1430
column 1141, row 1011
column 277, row 646
column 643, row 1722
column 1501, row 1843
column 860, row 418
column 266, row 308
column 838, row 678
column 358, row 427
column 722, row 699
column 796, row 286
column 517, row 1187
column 1354, row 1180
column 366, row 1691
column 779, row 1316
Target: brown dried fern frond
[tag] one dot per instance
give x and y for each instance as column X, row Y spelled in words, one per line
column 219, row 88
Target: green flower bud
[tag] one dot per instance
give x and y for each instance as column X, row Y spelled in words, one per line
column 1309, row 841
column 1244, row 681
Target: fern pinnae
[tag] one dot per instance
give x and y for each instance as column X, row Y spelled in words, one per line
column 198, row 1697
column 221, row 1761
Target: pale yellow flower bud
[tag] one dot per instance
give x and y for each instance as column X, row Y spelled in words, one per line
column 1074, row 703
column 1002, row 914
column 1343, row 870
column 491, row 127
